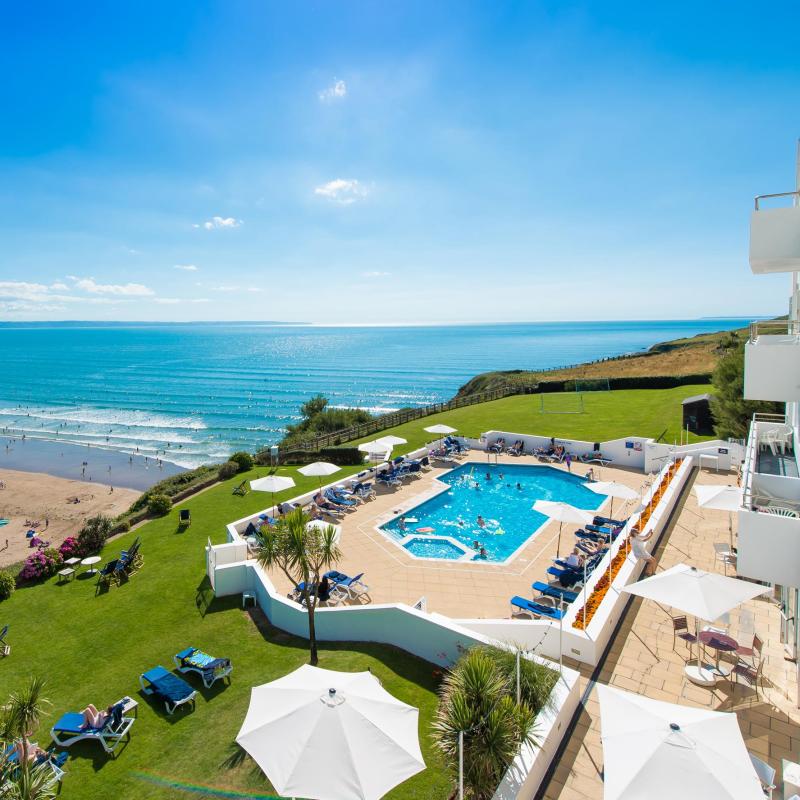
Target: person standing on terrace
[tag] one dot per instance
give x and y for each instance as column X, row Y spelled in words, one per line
column 637, row 541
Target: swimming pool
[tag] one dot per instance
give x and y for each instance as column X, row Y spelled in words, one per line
column 504, row 501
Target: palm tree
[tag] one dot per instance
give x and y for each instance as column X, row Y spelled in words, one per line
column 303, row 554
column 477, row 699
column 19, row 719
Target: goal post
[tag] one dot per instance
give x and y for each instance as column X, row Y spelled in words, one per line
column 561, row 403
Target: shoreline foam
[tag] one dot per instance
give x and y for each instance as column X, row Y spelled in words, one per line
column 87, row 464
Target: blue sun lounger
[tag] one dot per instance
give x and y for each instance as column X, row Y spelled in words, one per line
column 554, row 591
column 535, row 609
column 53, row 760
column 166, row 686
column 71, row 729
column 5, row 647
column 210, row 669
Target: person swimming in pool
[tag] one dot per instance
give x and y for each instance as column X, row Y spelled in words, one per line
column 481, row 521
column 483, row 552
column 401, row 523
column 488, row 476
column 519, row 486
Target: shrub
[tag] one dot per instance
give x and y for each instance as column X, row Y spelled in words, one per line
column 42, row 564
column 244, row 460
column 70, row 548
column 228, row 470
column 159, row 504
column 94, row 533
column 7, row 584
column 122, row 526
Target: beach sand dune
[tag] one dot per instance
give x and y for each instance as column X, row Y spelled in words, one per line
column 34, row 496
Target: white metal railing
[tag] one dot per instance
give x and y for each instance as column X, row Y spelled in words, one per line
column 760, row 499
column 773, row 327
column 795, row 194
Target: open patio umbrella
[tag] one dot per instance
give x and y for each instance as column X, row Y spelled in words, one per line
column 562, row 512
column 704, row 595
column 391, row 440
column 328, row 735
column 441, row 429
column 272, row 484
column 721, row 498
column 612, row 489
column 661, row 751
column 376, row 452
column 320, row 469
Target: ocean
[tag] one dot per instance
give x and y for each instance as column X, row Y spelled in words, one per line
column 198, row 392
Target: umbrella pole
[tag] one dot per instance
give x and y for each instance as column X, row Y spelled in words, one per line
column 461, row 765
column 584, row 595
column 558, row 546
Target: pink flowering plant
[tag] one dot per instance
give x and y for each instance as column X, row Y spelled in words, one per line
column 70, row 548
column 42, row 564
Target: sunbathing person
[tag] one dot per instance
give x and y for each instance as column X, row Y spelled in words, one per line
column 324, row 589
column 575, row 559
column 34, row 751
column 92, row 718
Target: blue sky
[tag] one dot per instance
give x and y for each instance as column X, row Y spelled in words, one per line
column 391, row 162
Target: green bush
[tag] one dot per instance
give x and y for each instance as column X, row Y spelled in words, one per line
column 159, row 504
column 341, row 456
column 122, row 526
column 7, row 584
column 244, row 460
column 94, row 533
column 228, row 470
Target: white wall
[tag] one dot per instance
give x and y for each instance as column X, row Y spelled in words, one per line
column 772, row 368
column 769, row 548
column 613, row 449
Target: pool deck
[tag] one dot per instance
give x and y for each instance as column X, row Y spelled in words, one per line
column 457, row 589
column 641, row 659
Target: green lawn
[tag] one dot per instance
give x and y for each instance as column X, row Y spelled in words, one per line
column 93, row 648
column 607, row 415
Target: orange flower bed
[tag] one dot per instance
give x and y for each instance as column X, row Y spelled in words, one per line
column 601, row 587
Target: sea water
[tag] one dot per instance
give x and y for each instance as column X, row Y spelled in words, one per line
column 202, row 391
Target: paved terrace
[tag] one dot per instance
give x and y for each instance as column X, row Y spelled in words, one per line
column 641, row 659
column 462, row 590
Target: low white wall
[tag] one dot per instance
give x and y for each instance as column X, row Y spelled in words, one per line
column 776, row 486
column 524, row 777
column 726, row 455
column 769, row 547
column 625, row 452
column 433, row 637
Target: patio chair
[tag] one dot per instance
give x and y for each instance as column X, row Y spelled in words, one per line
column 210, row 669
column 680, row 630
column 71, row 728
column 5, row 647
column 568, row 578
column 766, row 774
column 55, row 761
column 109, row 573
column 163, row 685
column 521, row 605
column 751, row 675
column 354, row 587
column 752, row 651
column 184, row 518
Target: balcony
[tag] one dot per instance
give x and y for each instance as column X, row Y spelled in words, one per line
column 772, row 361
column 769, row 520
column 775, row 236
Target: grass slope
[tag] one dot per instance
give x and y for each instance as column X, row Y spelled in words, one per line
column 607, row 415
column 93, row 648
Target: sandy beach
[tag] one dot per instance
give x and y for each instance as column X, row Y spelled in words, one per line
column 34, row 496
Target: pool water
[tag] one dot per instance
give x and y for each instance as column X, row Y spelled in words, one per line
column 428, row 547
column 504, row 501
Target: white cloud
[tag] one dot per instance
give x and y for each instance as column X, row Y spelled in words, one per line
column 39, row 293
column 59, row 287
column 342, row 190
column 218, row 223
column 168, row 301
column 186, row 267
column 226, row 288
column 375, row 274
column 336, row 91
column 127, row 289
